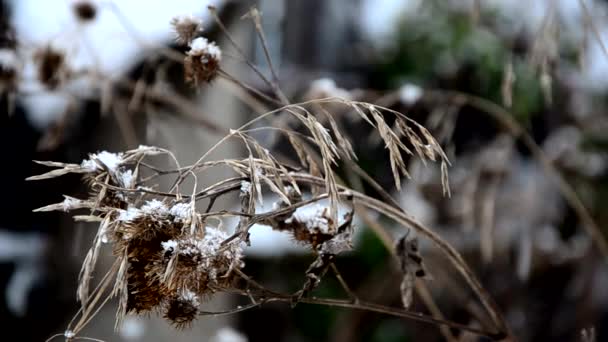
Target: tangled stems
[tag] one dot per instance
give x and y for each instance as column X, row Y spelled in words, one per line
column 455, row 258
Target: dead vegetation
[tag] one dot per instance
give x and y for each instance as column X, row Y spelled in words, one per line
column 171, row 256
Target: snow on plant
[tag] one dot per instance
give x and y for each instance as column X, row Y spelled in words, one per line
column 171, row 256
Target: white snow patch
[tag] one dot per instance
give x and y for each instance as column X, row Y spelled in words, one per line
column 266, row 242
column 326, row 87
column 205, row 49
column 227, row 334
column 70, row 203
column 245, row 187
column 111, row 160
column 169, row 245
column 190, row 297
column 8, row 60
column 155, row 207
column 181, row 211
column 129, row 215
column 126, row 178
column 313, row 216
column 133, row 328
column 410, row 93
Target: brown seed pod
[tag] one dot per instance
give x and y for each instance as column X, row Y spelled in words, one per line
column 182, row 310
column 144, row 294
column 84, row 10
column 51, row 66
column 186, row 28
column 202, row 61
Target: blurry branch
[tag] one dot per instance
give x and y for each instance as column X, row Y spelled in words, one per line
column 264, row 295
column 453, row 256
column 421, row 288
column 272, row 84
column 254, row 14
column 341, row 303
column 184, row 106
column 384, row 236
column 507, row 120
column 594, row 28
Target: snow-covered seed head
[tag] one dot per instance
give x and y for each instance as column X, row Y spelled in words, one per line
column 84, row 10
column 9, row 69
column 207, row 252
column 182, row 310
column 186, row 28
column 200, row 263
column 152, row 219
column 202, row 61
column 51, row 66
column 110, row 160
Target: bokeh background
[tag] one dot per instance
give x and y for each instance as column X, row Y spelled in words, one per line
column 451, row 65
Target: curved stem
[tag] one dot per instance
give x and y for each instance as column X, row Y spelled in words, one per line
column 452, row 254
column 506, row 119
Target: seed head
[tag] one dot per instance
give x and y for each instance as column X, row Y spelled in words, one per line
column 182, row 310
column 202, row 61
column 186, row 28
column 84, row 10
column 51, row 66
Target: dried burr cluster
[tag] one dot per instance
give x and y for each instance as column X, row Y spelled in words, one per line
column 168, row 257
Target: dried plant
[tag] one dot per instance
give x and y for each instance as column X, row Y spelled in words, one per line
column 170, row 256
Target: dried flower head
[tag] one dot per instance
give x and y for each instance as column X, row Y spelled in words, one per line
column 182, row 310
column 202, row 61
column 51, row 66
column 186, row 28
column 84, row 10
column 199, row 263
column 9, row 69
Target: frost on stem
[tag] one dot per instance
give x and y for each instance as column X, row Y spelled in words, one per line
column 186, row 28
column 69, row 203
column 312, row 225
column 202, row 61
column 245, row 188
column 102, row 159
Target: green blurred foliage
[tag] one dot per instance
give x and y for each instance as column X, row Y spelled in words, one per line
column 446, row 49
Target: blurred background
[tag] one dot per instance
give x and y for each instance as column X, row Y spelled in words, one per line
column 461, row 68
